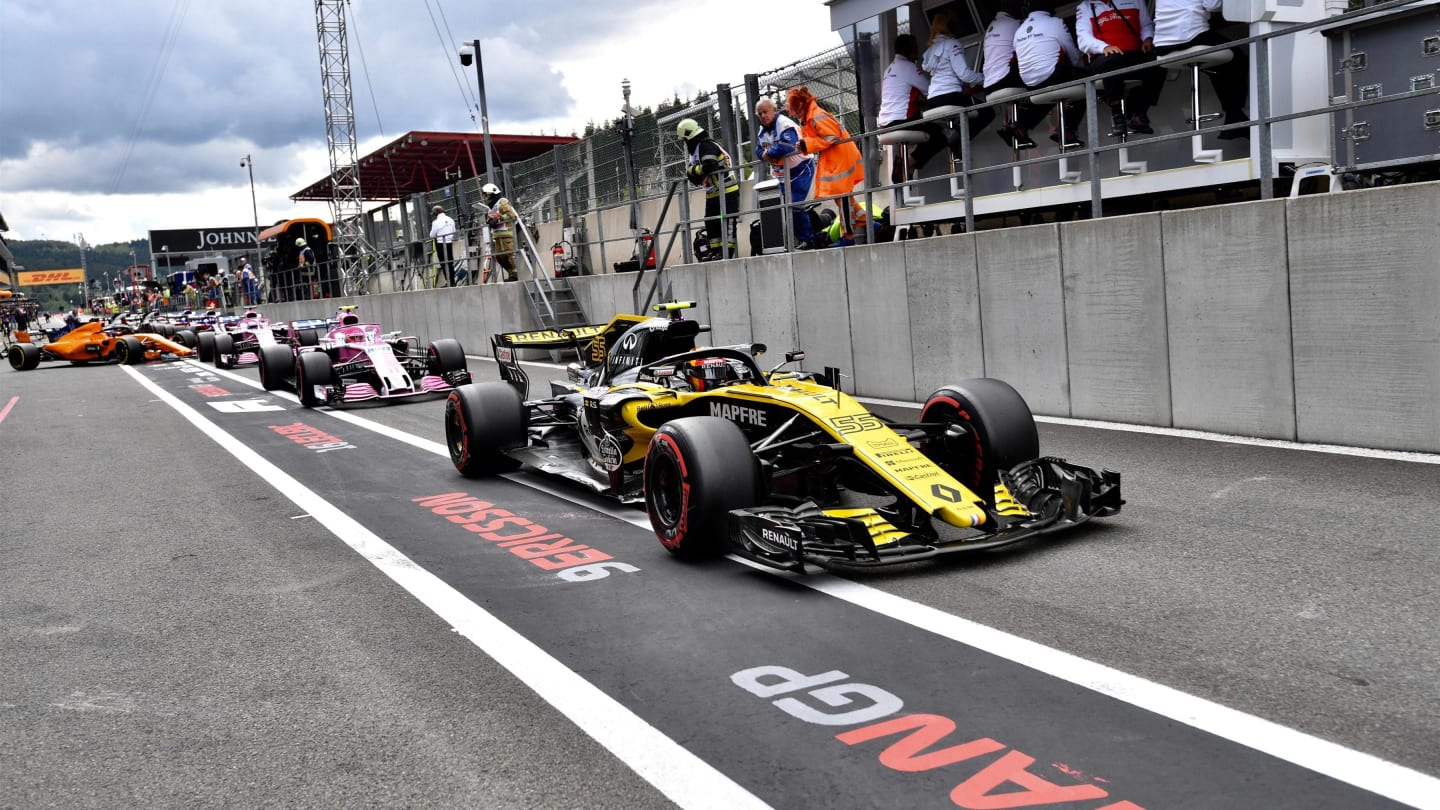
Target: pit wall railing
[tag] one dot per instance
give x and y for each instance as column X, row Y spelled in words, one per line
column 1312, row 319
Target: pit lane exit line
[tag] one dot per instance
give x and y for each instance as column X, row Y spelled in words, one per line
column 5, row 411
column 681, row 776
column 1339, row 762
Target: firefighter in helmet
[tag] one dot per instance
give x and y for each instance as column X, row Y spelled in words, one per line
column 708, row 166
column 501, row 219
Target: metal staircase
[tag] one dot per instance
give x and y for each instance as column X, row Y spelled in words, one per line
column 551, row 300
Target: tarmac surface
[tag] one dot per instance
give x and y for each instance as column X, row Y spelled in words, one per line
column 217, row 604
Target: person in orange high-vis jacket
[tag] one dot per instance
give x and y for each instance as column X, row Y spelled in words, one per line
column 838, row 166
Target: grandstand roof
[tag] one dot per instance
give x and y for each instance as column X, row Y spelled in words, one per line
column 417, row 162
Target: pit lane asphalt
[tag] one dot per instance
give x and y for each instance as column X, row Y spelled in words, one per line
column 1291, row 585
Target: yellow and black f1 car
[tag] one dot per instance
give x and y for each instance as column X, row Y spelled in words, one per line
column 778, row 466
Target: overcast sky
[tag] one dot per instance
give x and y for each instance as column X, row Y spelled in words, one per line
column 219, row 79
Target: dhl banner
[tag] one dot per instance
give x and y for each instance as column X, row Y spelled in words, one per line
column 36, row 278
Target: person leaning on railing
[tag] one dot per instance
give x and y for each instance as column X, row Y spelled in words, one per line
column 1181, row 24
column 838, row 162
column 778, row 143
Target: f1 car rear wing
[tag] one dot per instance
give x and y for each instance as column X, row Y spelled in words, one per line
column 506, row 346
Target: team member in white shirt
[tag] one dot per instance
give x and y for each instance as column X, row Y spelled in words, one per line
column 1180, row 24
column 1047, row 56
column 951, row 78
column 1119, row 34
column 1001, row 68
column 902, row 92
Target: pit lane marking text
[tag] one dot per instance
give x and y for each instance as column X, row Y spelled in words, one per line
column 312, row 438
column 550, row 551
column 853, row 703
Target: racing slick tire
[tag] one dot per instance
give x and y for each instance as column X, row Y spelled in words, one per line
column 129, row 351
column 205, row 341
column 999, row 431
column 312, row 369
column 697, row 469
column 308, row 337
column 23, row 356
column 185, row 337
column 443, row 356
column 482, row 421
column 275, row 365
column 223, row 346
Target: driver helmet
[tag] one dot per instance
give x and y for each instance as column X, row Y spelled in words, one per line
column 708, row 373
column 355, row 337
column 299, row 243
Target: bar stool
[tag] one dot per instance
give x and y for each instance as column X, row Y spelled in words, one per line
column 1128, row 166
column 948, row 113
column 1198, row 152
column 1000, row 95
column 902, row 138
column 1058, row 98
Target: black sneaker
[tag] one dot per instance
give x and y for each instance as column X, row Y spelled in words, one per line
column 1118, row 125
column 1141, row 124
column 1071, row 142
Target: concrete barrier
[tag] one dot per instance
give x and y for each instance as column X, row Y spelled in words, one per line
column 1022, row 312
column 1114, row 282
column 1310, row 319
column 1229, row 319
column 1365, row 286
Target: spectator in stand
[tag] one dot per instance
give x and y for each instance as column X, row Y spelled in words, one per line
column 778, row 143
column 951, row 80
column 442, row 230
column 1001, row 68
column 1181, row 24
column 837, row 158
column 902, row 91
column 1047, row 56
column 1118, row 34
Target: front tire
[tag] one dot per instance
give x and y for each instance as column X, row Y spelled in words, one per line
column 206, row 342
column 275, row 364
column 999, row 432
column 313, row 369
column 444, row 358
column 697, row 470
column 129, row 351
column 482, row 421
column 186, row 338
column 224, row 348
column 24, row 356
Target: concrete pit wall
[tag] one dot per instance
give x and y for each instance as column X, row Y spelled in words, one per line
column 1312, row 319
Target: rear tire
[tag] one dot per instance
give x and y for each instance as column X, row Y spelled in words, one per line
column 24, row 356
column 129, row 351
column 443, row 356
column 697, row 470
column 308, row 337
column 206, row 342
column 276, row 364
column 312, row 369
column 224, row 348
column 187, row 338
column 1000, row 432
column 482, row 421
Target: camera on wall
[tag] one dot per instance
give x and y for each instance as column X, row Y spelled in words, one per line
column 467, row 53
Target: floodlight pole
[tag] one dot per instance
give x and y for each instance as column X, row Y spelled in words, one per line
column 248, row 163
column 484, row 114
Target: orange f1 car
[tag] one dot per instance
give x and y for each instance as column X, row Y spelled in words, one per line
column 95, row 342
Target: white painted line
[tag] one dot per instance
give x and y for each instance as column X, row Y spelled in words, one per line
column 1344, row 764
column 683, row 777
